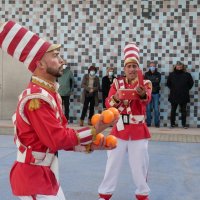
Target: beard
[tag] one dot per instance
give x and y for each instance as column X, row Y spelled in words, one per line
column 55, row 72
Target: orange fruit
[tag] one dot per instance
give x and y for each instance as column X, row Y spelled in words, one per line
column 115, row 111
column 111, row 141
column 98, row 138
column 108, row 116
column 95, row 119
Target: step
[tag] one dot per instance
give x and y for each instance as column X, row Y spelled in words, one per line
column 157, row 134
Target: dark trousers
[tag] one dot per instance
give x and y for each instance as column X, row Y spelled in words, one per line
column 65, row 102
column 183, row 113
column 91, row 101
column 103, row 100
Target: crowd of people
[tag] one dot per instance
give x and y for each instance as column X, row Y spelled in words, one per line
column 41, row 127
column 178, row 92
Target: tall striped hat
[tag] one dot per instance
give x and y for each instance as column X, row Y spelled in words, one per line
column 24, row 45
column 131, row 53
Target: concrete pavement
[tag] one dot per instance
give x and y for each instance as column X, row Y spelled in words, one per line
column 173, row 174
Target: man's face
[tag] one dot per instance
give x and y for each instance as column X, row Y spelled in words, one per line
column 179, row 67
column 131, row 70
column 54, row 63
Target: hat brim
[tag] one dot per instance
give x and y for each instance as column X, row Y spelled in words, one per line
column 131, row 60
column 53, row 47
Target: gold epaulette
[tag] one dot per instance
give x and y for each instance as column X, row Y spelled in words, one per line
column 34, row 104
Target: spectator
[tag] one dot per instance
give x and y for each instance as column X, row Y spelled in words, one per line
column 106, row 82
column 179, row 82
column 154, row 76
column 131, row 130
column 66, row 87
column 91, row 86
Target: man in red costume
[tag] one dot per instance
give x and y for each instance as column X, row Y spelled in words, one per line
column 131, row 130
column 40, row 125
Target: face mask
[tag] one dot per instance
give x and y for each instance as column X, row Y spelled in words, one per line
column 110, row 73
column 152, row 68
column 64, row 66
column 92, row 73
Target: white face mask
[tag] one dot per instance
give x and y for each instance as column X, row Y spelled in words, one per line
column 92, row 73
column 110, row 73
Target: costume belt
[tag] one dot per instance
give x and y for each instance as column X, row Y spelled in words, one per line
column 133, row 119
column 27, row 155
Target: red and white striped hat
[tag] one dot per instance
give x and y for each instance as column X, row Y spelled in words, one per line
column 24, row 45
column 131, row 53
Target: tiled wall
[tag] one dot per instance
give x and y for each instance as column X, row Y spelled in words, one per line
column 95, row 32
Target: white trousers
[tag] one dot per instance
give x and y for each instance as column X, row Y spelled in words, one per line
column 59, row 196
column 138, row 160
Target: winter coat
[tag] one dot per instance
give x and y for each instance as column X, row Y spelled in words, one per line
column 106, row 82
column 155, row 80
column 179, row 83
column 66, row 83
column 86, row 89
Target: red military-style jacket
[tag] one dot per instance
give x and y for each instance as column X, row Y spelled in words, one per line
column 136, row 108
column 41, row 128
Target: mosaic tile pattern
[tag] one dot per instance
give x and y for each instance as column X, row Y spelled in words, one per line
column 94, row 32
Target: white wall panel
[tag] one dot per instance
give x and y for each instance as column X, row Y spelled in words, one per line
column 15, row 77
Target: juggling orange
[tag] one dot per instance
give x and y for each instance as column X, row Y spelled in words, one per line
column 95, row 119
column 115, row 111
column 98, row 138
column 108, row 116
column 111, row 141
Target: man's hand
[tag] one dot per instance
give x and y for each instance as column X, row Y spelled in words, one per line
column 101, row 145
column 100, row 126
column 116, row 97
column 141, row 91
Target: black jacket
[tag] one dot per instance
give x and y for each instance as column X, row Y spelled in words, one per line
column 155, row 80
column 106, row 82
column 179, row 83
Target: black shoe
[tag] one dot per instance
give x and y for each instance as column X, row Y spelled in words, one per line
column 149, row 125
column 157, row 126
column 185, row 127
column 172, row 126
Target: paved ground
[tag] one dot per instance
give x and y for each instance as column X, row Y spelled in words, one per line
column 173, row 174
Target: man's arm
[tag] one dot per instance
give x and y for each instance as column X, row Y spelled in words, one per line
column 71, row 82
